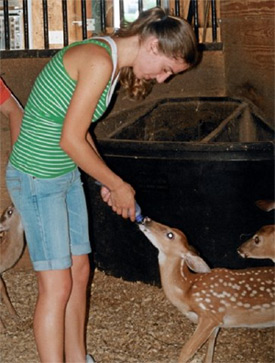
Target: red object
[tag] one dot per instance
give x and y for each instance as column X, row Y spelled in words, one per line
column 5, row 93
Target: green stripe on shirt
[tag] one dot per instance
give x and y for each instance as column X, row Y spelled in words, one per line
column 37, row 151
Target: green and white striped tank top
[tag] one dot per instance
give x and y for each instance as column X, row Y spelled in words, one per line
column 37, row 151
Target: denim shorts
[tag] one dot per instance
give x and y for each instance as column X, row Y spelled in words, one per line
column 54, row 217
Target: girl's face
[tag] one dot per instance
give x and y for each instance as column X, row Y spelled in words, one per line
column 151, row 64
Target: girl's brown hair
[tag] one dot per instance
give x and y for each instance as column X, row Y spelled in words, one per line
column 176, row 39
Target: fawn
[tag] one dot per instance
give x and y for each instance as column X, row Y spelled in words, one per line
column 262, row 244
column 11, row 248
column 210, row 298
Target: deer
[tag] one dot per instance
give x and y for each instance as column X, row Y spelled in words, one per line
column 266, row 205
column 211, row 298
column 11, row 249
column 262, row 244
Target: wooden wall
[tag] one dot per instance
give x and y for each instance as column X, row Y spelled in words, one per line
column 248, row 38
column 55, row 22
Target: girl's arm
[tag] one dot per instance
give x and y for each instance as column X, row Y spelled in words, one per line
column 91, row 66
column 105, row 192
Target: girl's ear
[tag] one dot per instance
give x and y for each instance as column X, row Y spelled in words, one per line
column 153, row 45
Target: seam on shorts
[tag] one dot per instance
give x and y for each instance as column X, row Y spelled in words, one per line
column 38, row 217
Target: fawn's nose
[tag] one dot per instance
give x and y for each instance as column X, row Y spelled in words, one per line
column 146, row 220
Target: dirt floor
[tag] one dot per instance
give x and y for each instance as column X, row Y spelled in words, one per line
column 128, row 322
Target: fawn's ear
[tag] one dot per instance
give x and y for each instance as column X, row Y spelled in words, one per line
column 195, row 263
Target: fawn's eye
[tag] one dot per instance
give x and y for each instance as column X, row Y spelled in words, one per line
column 170, row 235
column 257, row 240
column 10, row 212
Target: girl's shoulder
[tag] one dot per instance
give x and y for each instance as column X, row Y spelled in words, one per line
column 101, row 42
column 91, row 49
column 88, row 57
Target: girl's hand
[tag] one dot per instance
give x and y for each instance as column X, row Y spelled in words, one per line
column 123, row 195
column 122, row 201
column 105, row 194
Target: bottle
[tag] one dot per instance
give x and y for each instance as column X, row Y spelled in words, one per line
column 139, row 216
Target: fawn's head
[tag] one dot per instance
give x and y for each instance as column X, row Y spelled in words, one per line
column 172, row 243
column 7, row 217
column 261, row 245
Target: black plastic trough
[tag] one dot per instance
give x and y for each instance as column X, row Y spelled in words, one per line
column 198, row 164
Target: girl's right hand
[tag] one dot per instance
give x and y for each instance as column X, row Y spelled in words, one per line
column 122, row 200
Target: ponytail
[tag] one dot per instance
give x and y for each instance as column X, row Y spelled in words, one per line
column 176, row 39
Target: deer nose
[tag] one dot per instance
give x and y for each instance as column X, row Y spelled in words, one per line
column 146, row 220
column 241, row 253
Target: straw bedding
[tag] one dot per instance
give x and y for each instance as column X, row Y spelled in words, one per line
column 128, row 322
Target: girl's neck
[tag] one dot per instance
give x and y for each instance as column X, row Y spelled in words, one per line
column 127, row 50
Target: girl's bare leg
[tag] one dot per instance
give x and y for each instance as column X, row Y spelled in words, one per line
column 75, row 316
column 54, row 289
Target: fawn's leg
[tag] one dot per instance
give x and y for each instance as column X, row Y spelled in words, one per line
column 211, row 345
column 5, row 297
column 203, row 331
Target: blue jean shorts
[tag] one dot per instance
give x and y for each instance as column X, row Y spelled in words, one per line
column 54, row 217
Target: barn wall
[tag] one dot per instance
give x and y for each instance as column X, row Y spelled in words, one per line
column 248, row 38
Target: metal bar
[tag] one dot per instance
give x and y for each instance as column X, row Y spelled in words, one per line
column 6, row 24
column 214, row 20
column 45, row 23
column 192, row 18
column 196, row 19
column 103, row 15
column 48, row 53
column 26, row 24
column 190, row 12
column 121, row 11
column 140, row 6
column 177, row 7
column 65, row 23
column 84, row 19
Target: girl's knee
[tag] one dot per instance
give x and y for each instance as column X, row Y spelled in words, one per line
column 81, row 270
column 56, row 285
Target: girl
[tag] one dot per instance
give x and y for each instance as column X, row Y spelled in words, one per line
column 74, row 89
